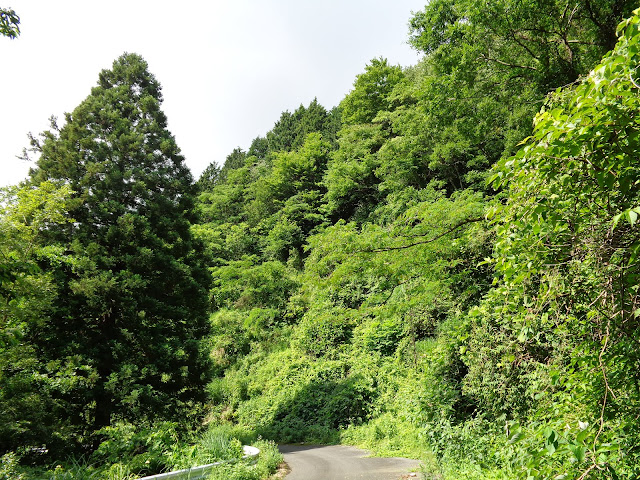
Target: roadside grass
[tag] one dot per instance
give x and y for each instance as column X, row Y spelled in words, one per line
column 386, row 437
column 128, row 453
column 267, row 464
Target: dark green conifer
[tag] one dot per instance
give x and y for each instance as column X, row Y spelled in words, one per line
column 133, row 307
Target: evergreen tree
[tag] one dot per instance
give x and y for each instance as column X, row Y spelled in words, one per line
column 233, row 161
column 291, row 130
column 133, row 306
column 210, row 176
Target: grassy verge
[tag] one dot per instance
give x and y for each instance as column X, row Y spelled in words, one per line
column 267, row 464
column 128, row 453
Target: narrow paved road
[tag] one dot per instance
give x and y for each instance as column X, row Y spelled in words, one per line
column 336, row 462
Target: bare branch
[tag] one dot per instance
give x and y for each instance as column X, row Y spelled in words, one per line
column 433, row 239
column 512, row 65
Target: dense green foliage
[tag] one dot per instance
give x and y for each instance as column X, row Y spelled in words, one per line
column 567, row 259
column 128, row 451
column 444, row 265
column 132, row 309
column 380, row 291
column 104, row 295
column 27, row 294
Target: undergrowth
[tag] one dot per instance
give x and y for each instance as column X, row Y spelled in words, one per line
column 128, row 453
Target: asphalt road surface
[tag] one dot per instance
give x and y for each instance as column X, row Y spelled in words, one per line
column 337, row 462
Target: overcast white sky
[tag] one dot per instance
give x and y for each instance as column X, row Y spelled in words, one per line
column 228, row 68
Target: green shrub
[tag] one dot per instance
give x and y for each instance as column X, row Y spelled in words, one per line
column 218, row 443
column 322, row 331
column 380, row 335
column 142, row 450
column 387, row 435
column 9, row 469
column 267, row 463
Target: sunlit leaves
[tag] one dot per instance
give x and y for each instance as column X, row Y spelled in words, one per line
column 566, row 248
column 371, row 92
column 401, row 272
column 28, row 409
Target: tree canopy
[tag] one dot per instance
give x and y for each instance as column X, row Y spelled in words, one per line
column 444, row 265
column 130, row 309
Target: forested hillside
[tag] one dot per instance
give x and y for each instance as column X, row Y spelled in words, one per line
column 443, row 266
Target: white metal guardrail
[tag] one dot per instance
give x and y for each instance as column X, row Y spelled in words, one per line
column 198, row 473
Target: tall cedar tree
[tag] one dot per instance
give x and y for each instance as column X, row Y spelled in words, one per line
column 134, row 305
